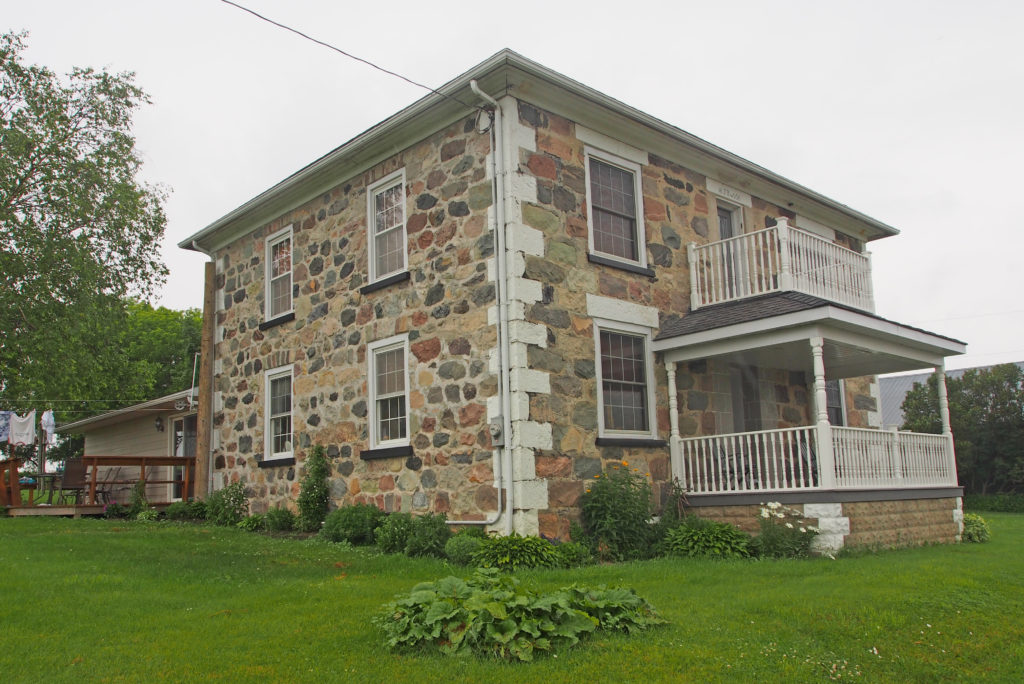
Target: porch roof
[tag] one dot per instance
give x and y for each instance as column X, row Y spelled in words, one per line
column 773, row 330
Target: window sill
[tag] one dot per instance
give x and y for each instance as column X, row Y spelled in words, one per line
column 630, row 442
column 386, row 452
column 273, row 322
column 276, row 462
column 385, row 282
column 623, row 265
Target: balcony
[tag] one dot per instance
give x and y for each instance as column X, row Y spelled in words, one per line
column 779, row 259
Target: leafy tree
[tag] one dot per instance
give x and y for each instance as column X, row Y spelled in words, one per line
column 986, row 411
column 78, row 231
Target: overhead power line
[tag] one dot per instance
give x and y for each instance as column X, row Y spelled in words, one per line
column 349, row 55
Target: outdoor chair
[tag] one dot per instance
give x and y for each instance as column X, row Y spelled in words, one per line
column 73, row 482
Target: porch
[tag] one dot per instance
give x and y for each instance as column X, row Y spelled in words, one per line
column 782, row 258
column 816, row 341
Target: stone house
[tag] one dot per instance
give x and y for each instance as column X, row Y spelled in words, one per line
column 479, row 303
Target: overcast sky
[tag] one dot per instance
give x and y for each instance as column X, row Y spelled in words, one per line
column 908, row 111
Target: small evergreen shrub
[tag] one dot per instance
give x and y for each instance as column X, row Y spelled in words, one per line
column 393, row 532
column 616, row 511
column 278, row 520
column 461, row 548
column 354, row 524
column 696, row 537
column 784, row 533
column 227, row 506
column 573, row 555
column 251, row 523
column 514, row 552
column 428, row 535
column 314, row 494
column 975, row 528
column 491, row 614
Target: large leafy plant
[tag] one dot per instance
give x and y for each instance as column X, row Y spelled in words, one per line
column 493, row 614
column 616, row 511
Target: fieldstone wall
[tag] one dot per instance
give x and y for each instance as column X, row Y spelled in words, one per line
column 862, row 402
column 442, row 307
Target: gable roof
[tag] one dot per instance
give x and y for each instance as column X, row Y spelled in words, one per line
column 507, row 72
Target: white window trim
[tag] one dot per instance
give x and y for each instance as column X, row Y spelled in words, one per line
column 638, row 195
column 281, row 235
column 652, row 415
column 268, row 441
column 371, row 193
column 372, row 349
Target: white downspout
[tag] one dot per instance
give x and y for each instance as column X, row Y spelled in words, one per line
column 501, row 191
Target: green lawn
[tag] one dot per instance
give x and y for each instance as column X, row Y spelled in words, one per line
column 96, row 600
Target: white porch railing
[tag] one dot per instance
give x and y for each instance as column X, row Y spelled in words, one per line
column 777, row 259
column 790, row 460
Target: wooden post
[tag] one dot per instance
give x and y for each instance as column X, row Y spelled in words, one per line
column 826, row 456
column 204, row 417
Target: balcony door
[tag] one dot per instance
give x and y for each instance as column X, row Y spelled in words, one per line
column 730, row 225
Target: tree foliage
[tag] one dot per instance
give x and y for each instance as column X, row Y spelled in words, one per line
column 986, row 412
column 78, row 231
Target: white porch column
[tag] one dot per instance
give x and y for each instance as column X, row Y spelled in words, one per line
column 785, row 266
column 673, row 422
column 826, row 456
column 940, row 371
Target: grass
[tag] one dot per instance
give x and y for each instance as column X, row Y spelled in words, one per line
column 97, row 600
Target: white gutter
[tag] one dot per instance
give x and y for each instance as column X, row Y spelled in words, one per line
column 502, row 467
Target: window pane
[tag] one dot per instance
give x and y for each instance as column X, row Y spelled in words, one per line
column 280, row 407
column 624, row 382
column 391, row 418
column 280, row 276
column 390, row 372
column 389, row 230
column 390, row 250
column 613, row 201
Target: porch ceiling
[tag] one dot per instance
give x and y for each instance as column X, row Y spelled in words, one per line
column 856, row 343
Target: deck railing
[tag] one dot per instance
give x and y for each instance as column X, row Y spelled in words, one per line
column 791, row 460
column 777, row 259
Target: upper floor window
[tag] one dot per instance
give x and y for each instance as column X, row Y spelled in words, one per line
column 279, row 273
column 278, row 411
column 615, row 208
column 389, row 392
column 386, row 224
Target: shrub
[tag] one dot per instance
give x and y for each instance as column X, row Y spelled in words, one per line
column 278, row 520
column 428, row 535
column 251, row 523
column 514, row 552
column 616, row 514
column 573, row 555
column 461, row 548
column 116, row 510
column 178, row 511
column 997, row 503
column 148, row 515
column 784, row 533
column 197, row 509
column 227, row 506
column 493, row 615
column 975, row 528
column 393, row 533
column 314, row 494
column 138, row 502
column 696, row 537
column 354, row 524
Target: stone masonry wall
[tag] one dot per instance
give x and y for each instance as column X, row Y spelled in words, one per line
column 442, row 308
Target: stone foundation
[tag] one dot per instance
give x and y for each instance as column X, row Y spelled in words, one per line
column 862, row 524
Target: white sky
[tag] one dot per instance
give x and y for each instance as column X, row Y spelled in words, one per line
column 909, row 111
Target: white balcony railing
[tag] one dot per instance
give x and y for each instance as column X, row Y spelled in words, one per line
column 777, row 259
column 791, row 460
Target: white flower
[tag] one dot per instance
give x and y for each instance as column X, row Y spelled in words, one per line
column 765, row 514
column 789, row 525
column 803, row 529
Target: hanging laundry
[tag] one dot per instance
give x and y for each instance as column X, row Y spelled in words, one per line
column 5, row 426
column 23, row 429
column 49, row 425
